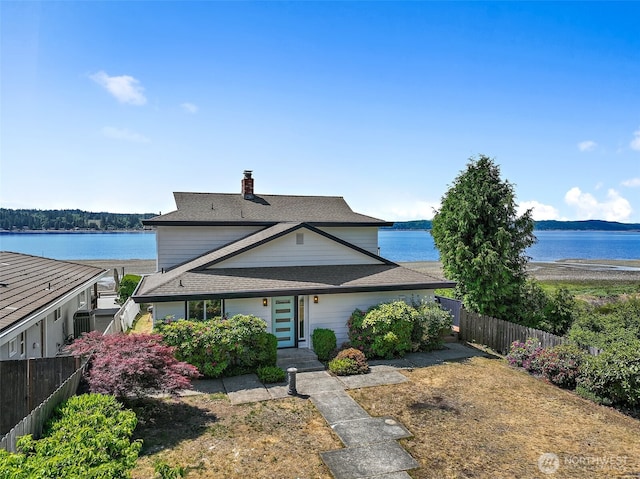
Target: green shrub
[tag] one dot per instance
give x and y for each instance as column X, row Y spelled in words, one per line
column 586, row 394
column 343, row 366
column 324, row 343
column 605, row 327
column 391, row 326
column 165, row 471
column 561, row 365
column 88, row 436
column 222, row 347
column 430, row 325
column 360, row 336
column 521, row 354
column 127, row 286
column 559, row 312
column 271, row 374
column 357, row 363
column 614, row 374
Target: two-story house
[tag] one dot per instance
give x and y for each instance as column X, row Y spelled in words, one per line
column 298, row 262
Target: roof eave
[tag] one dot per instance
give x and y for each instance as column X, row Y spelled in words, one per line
column 292, row 292
column 261, row 223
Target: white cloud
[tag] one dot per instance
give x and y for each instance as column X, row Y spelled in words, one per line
column 189, row 107
column 632, row 182
column 635, row 143
column 125, row 88
column 417, row 210
column 124, row 134
column 587, row 145
column 614, row 208
column 540, row 211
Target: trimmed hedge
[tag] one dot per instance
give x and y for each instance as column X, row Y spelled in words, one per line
column 393, row 329
column 222, row 347
column 89, row 436
column 324, row 343
column 348, row 362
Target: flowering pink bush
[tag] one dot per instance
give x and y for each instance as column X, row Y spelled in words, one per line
column 561, row 365
column 132, row 365
column 522, row 354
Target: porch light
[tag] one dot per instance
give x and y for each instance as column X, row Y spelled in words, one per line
column 265, row 302
column 315, row 299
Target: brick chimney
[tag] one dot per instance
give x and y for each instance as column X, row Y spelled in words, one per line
column 247, row 185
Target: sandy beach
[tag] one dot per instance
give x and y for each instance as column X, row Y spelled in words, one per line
column 569, row 269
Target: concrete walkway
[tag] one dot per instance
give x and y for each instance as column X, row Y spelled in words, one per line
column 371, row 450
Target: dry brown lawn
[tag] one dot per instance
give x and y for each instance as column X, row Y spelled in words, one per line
column 211, row 438
column 483, row 419
column 473, row 419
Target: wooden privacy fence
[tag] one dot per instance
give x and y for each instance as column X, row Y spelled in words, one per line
column 33, row 423
column 454, row 306
column 499, row 334
column 28, row 382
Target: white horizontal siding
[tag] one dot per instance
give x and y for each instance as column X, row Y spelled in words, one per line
column 249, row 306
column 163, row 310
column 284, row 251
column 177, row 244
column 365, row 237
column 333, row 310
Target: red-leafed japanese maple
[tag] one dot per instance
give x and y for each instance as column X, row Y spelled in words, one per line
column 132, row 365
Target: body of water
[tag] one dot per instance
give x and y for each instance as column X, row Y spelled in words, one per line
column 82, row 245
column 551, row 246
column 395, row 245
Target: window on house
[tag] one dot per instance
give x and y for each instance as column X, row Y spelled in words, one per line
column 299, row 238
column 82, row 299
column 301, row 317
column 22, row 350
column 204, row 309
column 57, row 314
column 13, row 347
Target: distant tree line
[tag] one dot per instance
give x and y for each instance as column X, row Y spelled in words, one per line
column 17, row 220
column 587, row 225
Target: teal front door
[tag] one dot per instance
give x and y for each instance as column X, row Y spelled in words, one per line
column 283, row 324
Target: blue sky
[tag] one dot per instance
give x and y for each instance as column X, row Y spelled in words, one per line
column 112, row 106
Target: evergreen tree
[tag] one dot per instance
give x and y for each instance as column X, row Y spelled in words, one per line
column 482, row 242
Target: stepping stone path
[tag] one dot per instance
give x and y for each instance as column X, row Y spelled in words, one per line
column 371, row 448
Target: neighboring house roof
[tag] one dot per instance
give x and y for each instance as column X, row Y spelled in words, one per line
column 30, row 284
column 193, row 279
column 206, row 209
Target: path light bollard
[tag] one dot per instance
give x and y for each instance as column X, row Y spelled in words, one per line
column 291, row 379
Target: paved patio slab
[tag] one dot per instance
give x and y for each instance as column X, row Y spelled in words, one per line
column 391, row 475
column 317, row 382
column 367, row 461
column 204, row 386
column 338, row 406
column 245, row 388
column 371, row 430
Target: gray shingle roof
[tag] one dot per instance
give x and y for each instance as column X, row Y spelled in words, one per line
column 30, row 283
column 238, row 247
column 227, row 208
column 273, row 281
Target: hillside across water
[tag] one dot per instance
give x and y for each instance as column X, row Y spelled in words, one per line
column 547, row 225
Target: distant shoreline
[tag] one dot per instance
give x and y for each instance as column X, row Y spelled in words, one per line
column 74, row 231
